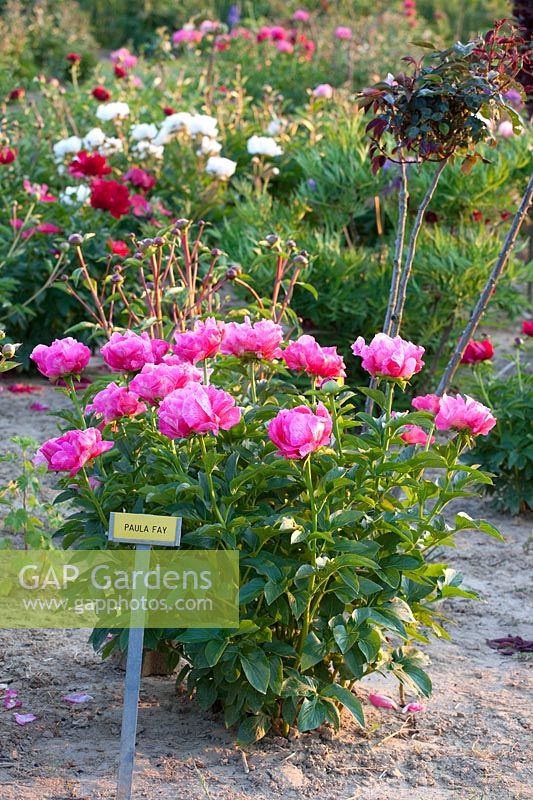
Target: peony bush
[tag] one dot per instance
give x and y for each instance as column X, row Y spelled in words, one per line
column 260, row 446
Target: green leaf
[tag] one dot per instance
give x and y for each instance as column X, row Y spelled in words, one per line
column 252, row 729
column 256, row 668
column 347, row 699
column 312, row 714
column 214, row 650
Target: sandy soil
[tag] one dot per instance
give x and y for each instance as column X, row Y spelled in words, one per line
column 473, row 742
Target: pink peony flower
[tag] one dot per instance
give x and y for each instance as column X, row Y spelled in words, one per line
column 413, row 434
column 39, row 191
column 156, row 381
column 464, row 413
column 140, row 178
column 475, row 352
column 114, row 402
column 201, row 343
column 324, row 90
column 260, row 340
column 527, row 327
column 63, row 357
column 380, row 701
column 296, row 432
column 341, row 32
column 160, row 348
column 197, row 409
column 140, row 206
column 306, row 355
column 413, row 708
column 505, row 129
column 70, row 452
column 389, row 357
column 187, row 36
column 301, row 15
column 128, row 352
column 427, row 402
column 124, row 57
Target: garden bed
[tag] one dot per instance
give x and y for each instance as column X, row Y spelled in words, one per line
column 471, row 742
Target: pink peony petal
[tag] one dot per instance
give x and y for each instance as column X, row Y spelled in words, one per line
column 39, row 407
column 413, row 708
column 380, row 701
column 11, row 699
column 78, row 697
column 23, row 719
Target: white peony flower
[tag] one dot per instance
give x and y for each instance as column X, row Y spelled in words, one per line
column 143, row 131
column 263, row 146
column 94, row 139
column 147, row 149
column 209, row 147
column 321, row 561
column 109, row 111
column 75, row 195
column 111, row 145
column 222, row 168
column 67, row 146
column 275, row 126
column 203, row 124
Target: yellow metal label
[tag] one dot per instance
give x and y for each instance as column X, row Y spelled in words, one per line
column 144, row 529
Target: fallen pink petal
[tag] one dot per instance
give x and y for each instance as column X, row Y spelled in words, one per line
column 11, row 699
column 413, row 708
column 39, row 407
column 380, row 701
column 78, row 697
column 24, row 719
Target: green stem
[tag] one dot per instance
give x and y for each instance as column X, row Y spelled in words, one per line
column 308, row 475
column 206, row 373
column 210, row 482
column 253, row 387
column 95, row 500
column 336, row 427
column 74, row 397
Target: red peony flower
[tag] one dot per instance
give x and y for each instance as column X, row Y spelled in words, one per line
column 118, row 247
column 138, row 177
column 120, row 72
column 168, row 111
column 527, row 327
column 89, row 165
column 101, row 94
column 110, row 196
column 477, row 216
column 477, row 351
column 17, row 94
column 7, row 155
column 74, row 58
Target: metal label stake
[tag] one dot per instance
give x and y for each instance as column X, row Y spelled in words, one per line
column 162, row 531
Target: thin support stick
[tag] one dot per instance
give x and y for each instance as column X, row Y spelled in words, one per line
column 486, row 294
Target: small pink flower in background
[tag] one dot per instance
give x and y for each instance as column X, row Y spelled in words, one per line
column 77, row 697
column 40, row 191
column 127, row 352
column 413, row 434
column 464, row 413
column 11, row 699
column 389, row 357
column 63, row 357
column 505, row 129
column 23, row 388
column 197, row 409
column 277, row 33
column 301, row 15
column 156, row 381
column 39, row 407
column 70, row 452
column 306, row 355
column 115, row 402
column 24, row 719
column 380, row 701
column 46, row 228
column 261, row 340
column 477, row 351
column 118, row 247
column 187, row 36
column 427, row 402
column 124, row 57
column 7, row 155
column 140, row 206
column 296, row 432
column 527, row 327
column 284, row 47
column 413, row 708
column 17, row 223
column 140, row 178
column 341, row 32
column 324, row 90
column 202, row 342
